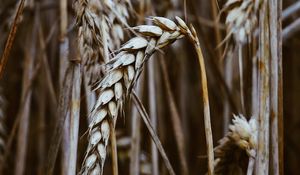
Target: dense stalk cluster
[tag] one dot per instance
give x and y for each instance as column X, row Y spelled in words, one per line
column 240, row 141
column 122, row 73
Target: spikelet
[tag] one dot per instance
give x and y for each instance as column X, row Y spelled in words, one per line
column 122, row 73
column 237, row 146
column 241, row 18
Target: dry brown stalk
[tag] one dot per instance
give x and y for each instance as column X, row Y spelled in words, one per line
column 2, row 129
column 122, row 73
column 135, row 147
column 153, row 113
column 241, row 139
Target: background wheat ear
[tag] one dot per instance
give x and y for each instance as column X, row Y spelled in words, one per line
column 238, row 147
column 100, row 31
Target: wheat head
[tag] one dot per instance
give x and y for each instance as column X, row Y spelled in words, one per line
column 241, row 138
column 121, row 74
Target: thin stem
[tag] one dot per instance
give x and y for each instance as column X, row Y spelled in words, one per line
column 153, row 113
column 240, row 50
column 216, row 29
column 154, row 136
column 204, row 89
column 136, row 132
column 114, row 152
column 74, row 118
column 250, row 166
column 275, row 47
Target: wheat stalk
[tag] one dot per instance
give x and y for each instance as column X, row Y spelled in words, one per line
column 241, row 138
column 122, row 73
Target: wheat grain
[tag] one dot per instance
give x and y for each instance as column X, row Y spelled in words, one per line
column 242, row 138
column 122, row 73
column 241, row 19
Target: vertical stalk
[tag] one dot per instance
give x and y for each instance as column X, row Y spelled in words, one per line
column 228, row 80
column 153, row 113
column 72, row 119
column 134, row 168
column 63, row 63
column 113, row 142
column 216, row 29
column 262, row 163
column 240, row 50
column 275, row 48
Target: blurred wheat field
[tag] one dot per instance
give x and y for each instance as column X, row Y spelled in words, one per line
column 149, row 87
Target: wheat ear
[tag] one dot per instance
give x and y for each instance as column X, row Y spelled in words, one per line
column 241, row 138
column 122, row 73
column 241, row 19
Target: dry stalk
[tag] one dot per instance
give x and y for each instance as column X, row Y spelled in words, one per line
column 135, row 147
column 2, row 129
column 154, row 136
column 275, row 82
column 241, row 139
column 204, row 89
column 153, row 113
column 262, row 161
column 122, row 73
